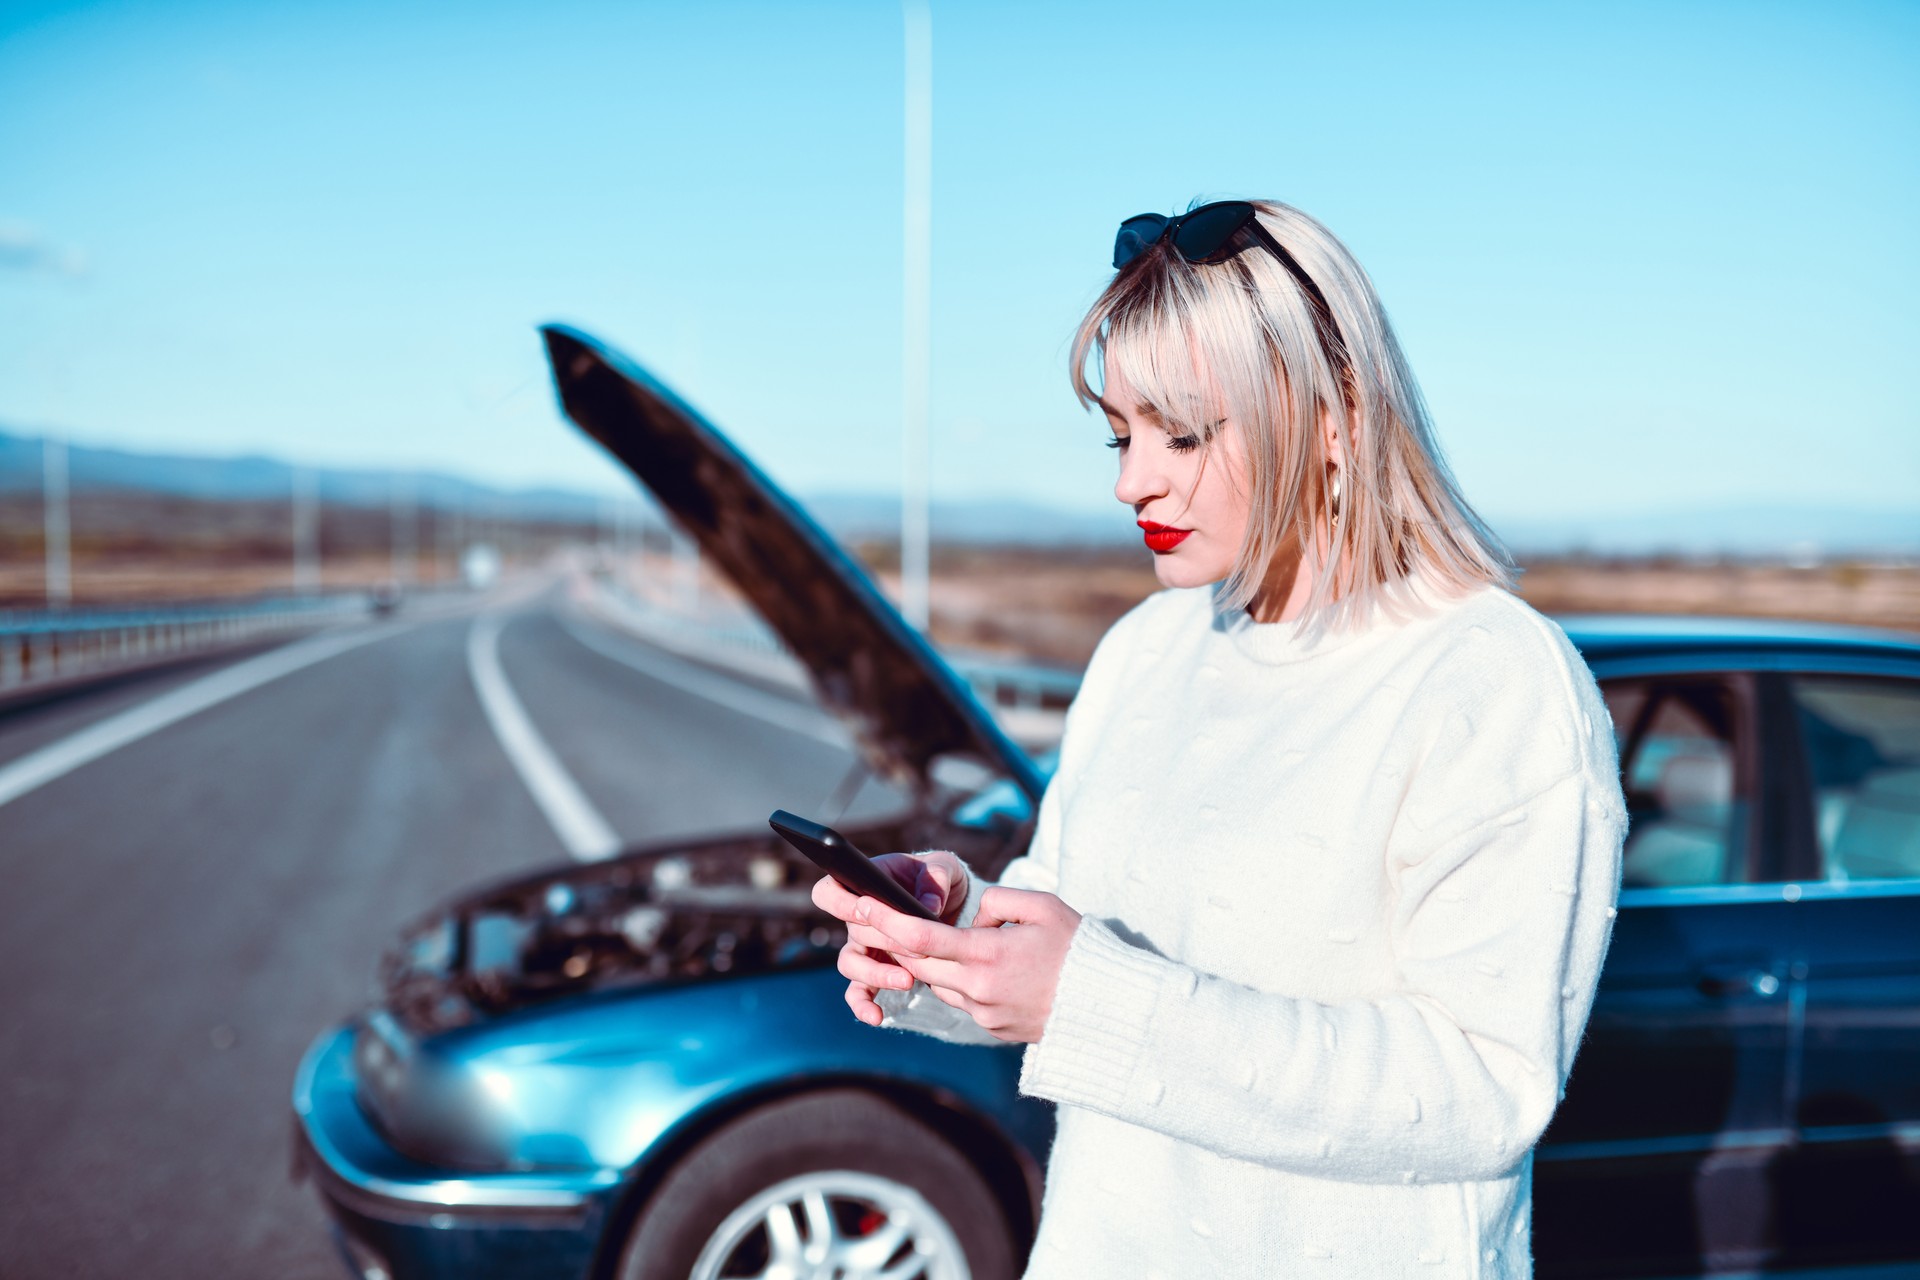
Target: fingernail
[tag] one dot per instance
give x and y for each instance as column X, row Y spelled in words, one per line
column 930, row 900
column 862, row 908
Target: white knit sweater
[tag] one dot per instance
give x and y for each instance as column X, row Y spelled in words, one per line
column 1345, row 903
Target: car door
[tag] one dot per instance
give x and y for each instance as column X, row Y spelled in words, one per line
column 1849, row 1190
column 1656, row 1162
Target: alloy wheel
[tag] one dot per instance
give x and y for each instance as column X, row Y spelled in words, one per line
column 833, row 1225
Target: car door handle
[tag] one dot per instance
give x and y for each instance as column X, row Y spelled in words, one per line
column 1724, row 983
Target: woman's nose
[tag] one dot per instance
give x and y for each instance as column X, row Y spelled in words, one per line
column 1140, row 481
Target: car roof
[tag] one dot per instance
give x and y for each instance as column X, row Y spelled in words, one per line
column 1620, row 635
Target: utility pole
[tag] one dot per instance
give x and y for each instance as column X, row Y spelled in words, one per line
column 53, row 482
column 306, row 532
column 916, row 327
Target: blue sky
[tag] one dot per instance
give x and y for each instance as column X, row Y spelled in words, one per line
column 1641, row 256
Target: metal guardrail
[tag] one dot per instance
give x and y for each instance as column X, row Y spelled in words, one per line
column 39, row 645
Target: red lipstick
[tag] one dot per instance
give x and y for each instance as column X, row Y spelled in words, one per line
column 1162, row 538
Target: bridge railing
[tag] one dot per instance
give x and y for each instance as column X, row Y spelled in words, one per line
column 40, row 645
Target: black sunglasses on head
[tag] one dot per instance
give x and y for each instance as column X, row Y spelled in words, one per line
column 1198, row 235
column 1207, row 234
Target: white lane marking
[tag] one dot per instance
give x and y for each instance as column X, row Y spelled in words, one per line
column 56, row 759
column 586, row 835
column 714, row 688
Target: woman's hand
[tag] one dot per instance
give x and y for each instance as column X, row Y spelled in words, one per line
column 938, row 879
column 1003, row 978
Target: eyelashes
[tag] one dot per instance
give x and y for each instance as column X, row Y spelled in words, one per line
column 1179, row 444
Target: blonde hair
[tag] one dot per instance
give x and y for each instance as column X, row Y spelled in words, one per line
column 1239, row 340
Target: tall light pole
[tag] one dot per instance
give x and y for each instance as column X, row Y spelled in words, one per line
column 53, row 489
column 916, row 328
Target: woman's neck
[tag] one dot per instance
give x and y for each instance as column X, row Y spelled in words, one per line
column 1284, row 592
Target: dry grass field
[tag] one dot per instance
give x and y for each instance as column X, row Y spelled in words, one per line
column 136, row 547
column 1053, row 606
column 132, row 579
column 1037, row 604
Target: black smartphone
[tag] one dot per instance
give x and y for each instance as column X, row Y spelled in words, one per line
column 836, row 855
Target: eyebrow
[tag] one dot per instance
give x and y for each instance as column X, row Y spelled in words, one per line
column 1146, row 411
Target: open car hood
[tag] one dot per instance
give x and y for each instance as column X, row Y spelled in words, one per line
column 904, row 706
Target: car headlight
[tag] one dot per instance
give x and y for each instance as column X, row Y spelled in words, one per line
column 438, row 1112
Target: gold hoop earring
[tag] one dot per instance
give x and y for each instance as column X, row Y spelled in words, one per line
column 1333, row 500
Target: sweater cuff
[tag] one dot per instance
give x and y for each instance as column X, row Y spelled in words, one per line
column 977, row 885
column 1103, row 1007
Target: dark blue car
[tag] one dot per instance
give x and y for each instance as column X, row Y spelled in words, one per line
column 643, row 1068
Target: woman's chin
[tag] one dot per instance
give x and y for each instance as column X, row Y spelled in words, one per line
column 1176, row 570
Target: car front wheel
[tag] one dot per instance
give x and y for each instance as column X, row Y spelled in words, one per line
column 839, row 1185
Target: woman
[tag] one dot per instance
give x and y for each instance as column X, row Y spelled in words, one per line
column 1318, row 897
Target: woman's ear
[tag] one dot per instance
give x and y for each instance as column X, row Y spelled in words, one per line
column 1335, row 441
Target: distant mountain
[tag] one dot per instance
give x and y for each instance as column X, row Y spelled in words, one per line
column 851, row 516
column 1739, row 529
column 256, row 477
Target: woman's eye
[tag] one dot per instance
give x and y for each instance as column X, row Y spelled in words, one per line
column 1183, row 444
column 1118, row 442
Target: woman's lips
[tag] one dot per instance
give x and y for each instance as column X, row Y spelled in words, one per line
column 1162, row 538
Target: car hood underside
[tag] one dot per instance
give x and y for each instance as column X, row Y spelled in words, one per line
column 905, row 708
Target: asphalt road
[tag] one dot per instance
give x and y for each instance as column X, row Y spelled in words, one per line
column 182, row 914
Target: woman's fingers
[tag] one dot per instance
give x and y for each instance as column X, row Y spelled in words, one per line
column 831, row 897
column 861, row 965
column 937, row 879
column 940, row 883
column 870, row 972
column 874, row 940
column 912, row 936
column 1017, row 906
column 860, row 1000
column 834, row 898
column 943, row 975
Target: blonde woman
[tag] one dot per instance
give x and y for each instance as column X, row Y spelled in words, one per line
column 1319, row 894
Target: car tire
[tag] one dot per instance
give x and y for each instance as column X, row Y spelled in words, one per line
column 874, row 1171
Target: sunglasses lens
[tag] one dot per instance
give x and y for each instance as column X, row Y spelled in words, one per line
column 1205, row 232
column 1137, row 235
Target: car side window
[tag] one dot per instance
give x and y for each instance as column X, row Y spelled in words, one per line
column 1862, row 739
column 1686, row 810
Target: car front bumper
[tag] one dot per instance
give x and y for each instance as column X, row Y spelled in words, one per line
column 395, row 1218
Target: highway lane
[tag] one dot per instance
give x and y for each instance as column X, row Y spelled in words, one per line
column 182, row 915
column 660, row 761
column 30, row 719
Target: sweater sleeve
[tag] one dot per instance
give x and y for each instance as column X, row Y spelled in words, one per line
column 1499, row 936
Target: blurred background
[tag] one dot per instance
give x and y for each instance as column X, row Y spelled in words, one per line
column 270, row 277
column 1652, row 264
